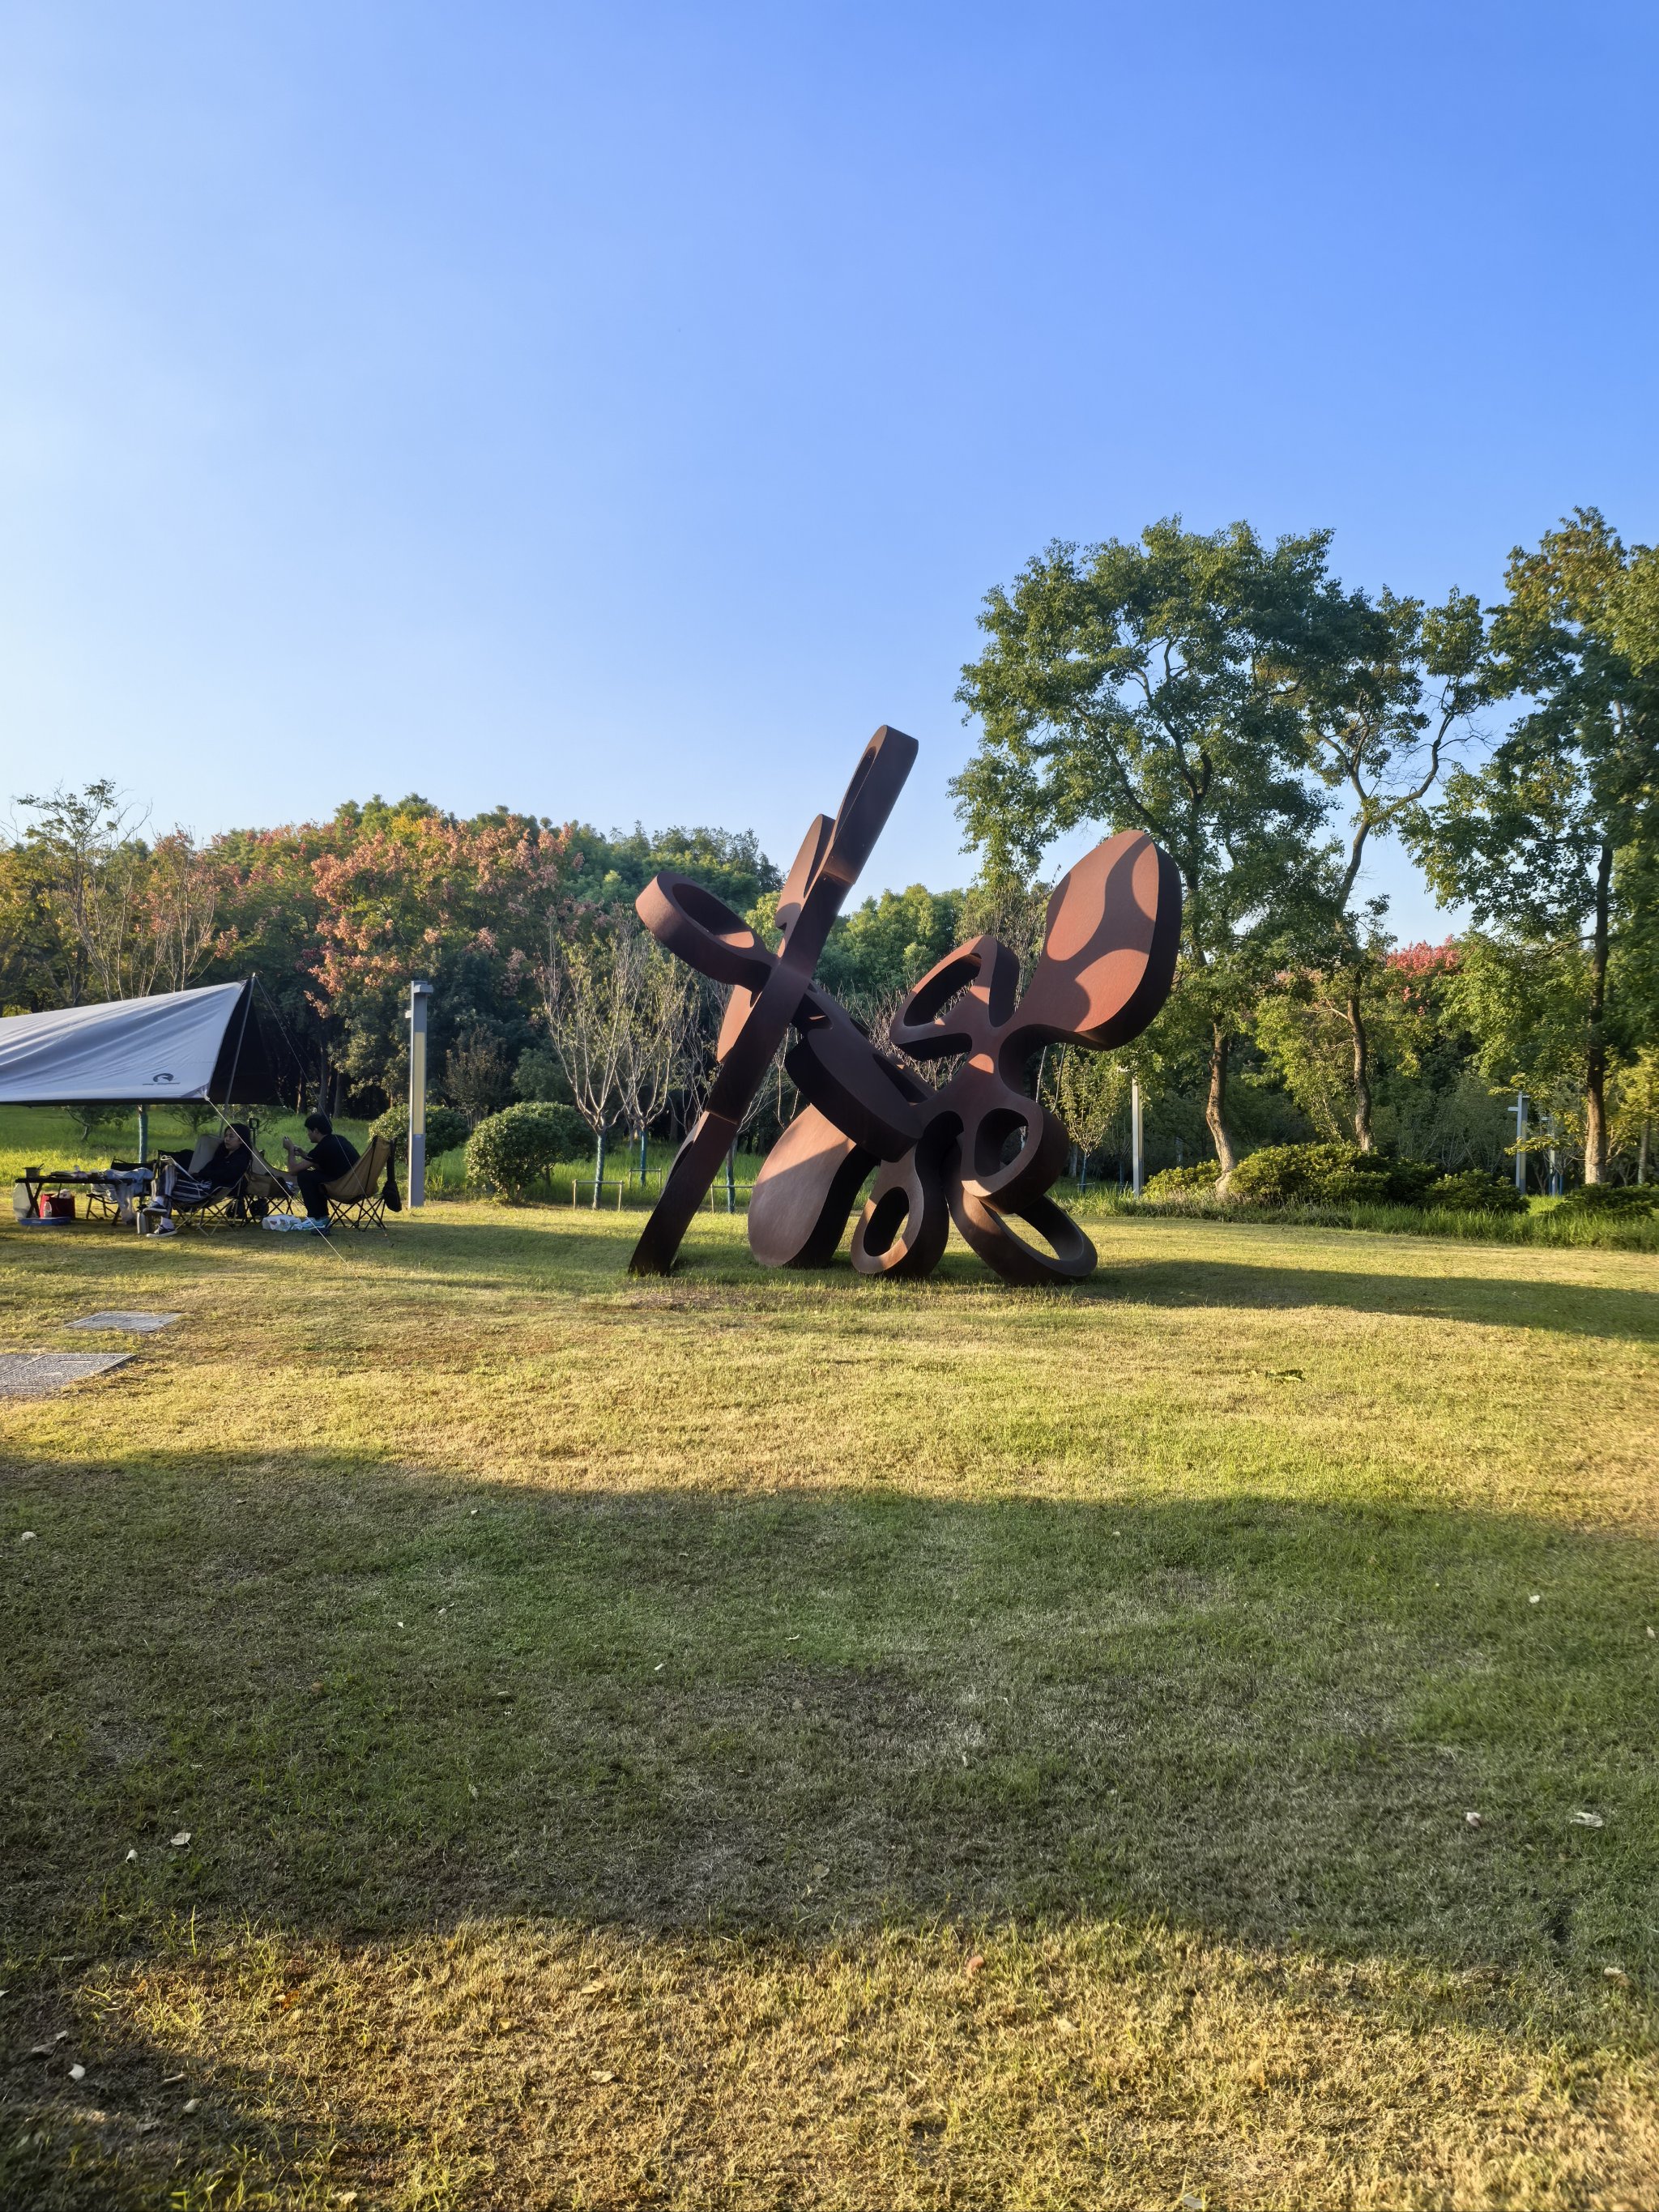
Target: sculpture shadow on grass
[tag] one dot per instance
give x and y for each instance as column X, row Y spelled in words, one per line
column 505, row 1255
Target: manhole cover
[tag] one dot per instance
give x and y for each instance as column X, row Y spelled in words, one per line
column 140, row 1323
column 38, row 1374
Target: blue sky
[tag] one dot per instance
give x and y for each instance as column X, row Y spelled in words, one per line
column 618, row 412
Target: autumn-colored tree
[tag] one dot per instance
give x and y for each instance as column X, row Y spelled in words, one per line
column 406, row 890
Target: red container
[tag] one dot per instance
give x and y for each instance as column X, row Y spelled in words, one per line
column 56, row 1206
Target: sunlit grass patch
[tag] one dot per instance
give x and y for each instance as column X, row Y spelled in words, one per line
column 764, row 1650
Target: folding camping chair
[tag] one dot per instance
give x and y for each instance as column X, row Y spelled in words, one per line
column 235, row 1204
column 357, row 1200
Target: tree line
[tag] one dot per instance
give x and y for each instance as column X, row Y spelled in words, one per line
column 1266, row 723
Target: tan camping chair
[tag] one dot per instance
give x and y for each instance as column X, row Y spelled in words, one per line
column 357, row 1200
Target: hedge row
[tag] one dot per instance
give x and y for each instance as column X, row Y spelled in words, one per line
column 1339, row 1175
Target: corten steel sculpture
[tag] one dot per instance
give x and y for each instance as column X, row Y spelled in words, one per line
column 977, row 1151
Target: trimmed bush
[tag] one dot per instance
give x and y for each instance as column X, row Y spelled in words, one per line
column 1472, row 1190
column 446, row 1129
column 1614, row 1198
column 1329, row 1175
column 1182, row 1182
column 509, row 1151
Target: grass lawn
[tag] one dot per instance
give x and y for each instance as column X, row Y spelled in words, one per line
column 748, row 1740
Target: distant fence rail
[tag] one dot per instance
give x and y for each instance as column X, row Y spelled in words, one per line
column 618, row 1191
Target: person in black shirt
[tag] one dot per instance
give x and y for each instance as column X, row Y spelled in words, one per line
column 229, row 1166
column 329, row 1157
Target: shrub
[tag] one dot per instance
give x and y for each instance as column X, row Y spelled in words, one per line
column 1183, row 1182
column 1329, row 1175
column 1614, row 1198
column 445, row 1128
column 509, row 1151
column 1472, row 1190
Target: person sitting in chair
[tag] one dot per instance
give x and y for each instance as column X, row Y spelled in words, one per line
column 230, row 1167
column 227, row 1166
column 224, row 1170
column 327, row 1160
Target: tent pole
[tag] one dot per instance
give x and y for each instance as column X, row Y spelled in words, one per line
column 144, row 1136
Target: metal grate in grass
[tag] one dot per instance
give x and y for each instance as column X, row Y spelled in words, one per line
column 38, row 1374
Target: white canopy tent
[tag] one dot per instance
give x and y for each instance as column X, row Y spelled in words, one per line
column 180, row 1044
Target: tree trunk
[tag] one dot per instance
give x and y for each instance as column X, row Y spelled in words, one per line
column 1362, row 1075
column 1215, row 1106
column 1595, row 1050
column 599, row 1166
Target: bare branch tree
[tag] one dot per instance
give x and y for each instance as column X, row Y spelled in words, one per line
column 585, row 998
column 182, row 898
column 85, row 839
column 661, row 1000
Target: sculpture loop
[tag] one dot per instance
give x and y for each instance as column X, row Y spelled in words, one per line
column 980, row 1150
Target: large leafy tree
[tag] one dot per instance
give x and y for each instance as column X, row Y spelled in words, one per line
column 876, row 952
column 1553, row 840
column 1397, row 684
column 1169, row 686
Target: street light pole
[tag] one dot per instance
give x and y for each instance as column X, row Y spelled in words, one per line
column 418, row 995
column 1519, row 1111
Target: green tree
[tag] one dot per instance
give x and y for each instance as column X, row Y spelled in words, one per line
column 1403, row 682
column 886, row 944
column 614, row 869
column 1167, row 686
column 1553, row 840
column 1090, row 1091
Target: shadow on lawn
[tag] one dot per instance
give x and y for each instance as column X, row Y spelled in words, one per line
column 1514, row 1302
column 383, row 1704
column 379, row 1701
column 588, row 1258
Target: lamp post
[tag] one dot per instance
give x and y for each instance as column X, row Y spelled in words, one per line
column 1137, row 1144
column 418, row 995
column 1519, row 1111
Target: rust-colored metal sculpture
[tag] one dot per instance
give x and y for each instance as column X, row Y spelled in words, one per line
column 977, row 1151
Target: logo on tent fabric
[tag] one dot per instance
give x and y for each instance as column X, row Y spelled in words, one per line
column 164, row 1077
